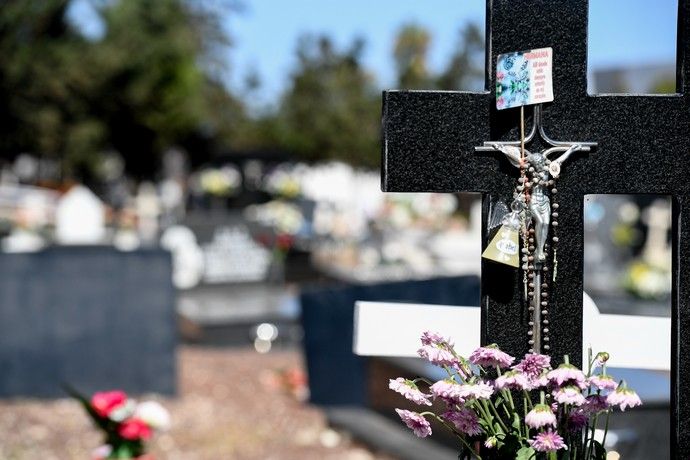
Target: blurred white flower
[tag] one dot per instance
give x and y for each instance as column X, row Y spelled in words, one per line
column 155, row 415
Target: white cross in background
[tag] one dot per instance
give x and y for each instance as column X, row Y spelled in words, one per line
column 393, row 329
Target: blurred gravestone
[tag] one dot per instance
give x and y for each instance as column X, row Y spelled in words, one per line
column 94, row 317
column 80, row 217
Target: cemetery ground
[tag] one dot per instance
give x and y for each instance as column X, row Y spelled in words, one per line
column 231, row 405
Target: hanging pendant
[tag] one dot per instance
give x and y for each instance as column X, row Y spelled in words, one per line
column 505, row 245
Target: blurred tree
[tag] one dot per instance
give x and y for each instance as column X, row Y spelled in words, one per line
column 465, row 69
column 411, row 53
column 152, row 80
column 331, row 109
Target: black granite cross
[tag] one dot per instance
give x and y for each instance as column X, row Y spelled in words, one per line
column 643, row 147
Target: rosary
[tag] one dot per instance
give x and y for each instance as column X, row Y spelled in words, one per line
column 528, row 235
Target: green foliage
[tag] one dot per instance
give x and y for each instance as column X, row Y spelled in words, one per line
column 331, row 109
column 145, row 85
column 155, row 79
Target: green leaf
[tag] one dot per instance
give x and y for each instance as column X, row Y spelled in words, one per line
column 526, row 453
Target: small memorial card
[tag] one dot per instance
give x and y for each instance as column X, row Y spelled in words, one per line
column 524, row 78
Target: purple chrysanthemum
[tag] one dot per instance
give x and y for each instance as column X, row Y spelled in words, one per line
column 416, row 422
column 512, row 380
column 570, row 394
column 465, row 421
column 567, row 374
column 594, row 404
column 540, row 416
column 547, row 441
column 577, row 420
column 409, row 390
column 491, row 356
column 623, row 397
column 603, row 382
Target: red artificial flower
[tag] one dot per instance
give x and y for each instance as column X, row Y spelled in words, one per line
column 284, row 241
column 134, row 429
column 106, row 401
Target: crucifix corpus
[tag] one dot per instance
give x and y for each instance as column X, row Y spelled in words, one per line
column 473, row 142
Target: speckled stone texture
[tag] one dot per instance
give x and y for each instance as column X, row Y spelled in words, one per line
column 644, row 147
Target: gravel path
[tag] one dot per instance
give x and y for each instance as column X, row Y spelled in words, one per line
column 234, row 404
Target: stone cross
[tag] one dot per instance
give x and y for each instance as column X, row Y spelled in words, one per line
column 643, row 147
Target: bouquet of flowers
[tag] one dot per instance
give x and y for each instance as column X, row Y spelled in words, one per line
column 125, row 423
column 529, row 410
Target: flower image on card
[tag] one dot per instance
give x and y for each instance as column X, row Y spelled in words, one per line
column 524, row 78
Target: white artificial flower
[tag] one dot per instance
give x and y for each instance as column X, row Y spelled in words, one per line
column 155, row 415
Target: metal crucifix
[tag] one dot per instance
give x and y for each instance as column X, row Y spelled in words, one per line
column 532, row 201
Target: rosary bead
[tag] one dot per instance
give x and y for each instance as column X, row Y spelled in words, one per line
column 531, row 350
column 554, row 190
column 531, row 309
column 546, row 347
column 555, row 206
column 544, row 312
column 546, row 330
column 524, row 258
column 554, row 214
column 545, row 285
column 531, row 323
column 531, row 285
column 530, row 333
column 546, row 339
column 531, row 230
column 544, row 303
column 530, row 258
column 546, row 321
column 545, row 268
column 530, row 294
column 530, row 276
column 531, row 342
column 554, row 223
column 524, row 267
column 555, row 239
column 544, row 294
column 528, row 184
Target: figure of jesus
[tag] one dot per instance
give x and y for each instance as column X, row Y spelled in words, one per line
column 540, row 167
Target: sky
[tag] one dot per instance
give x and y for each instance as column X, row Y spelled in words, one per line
column 622, row 32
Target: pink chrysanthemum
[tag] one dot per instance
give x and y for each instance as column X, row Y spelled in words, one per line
column 465, row 421
column 594, row 404
column 603, row 382
column 416, row 422
column 547, row 441
column 479, row 390
column 540, row 416
column 409, row 390
column 438, row 355
column 491, row 442
column 512, row 380
column 570, row 394
column 534, row 366
column 491, row 356
column 623, row 397
column 567, row 374
column 433, row 338
column 447, row 390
